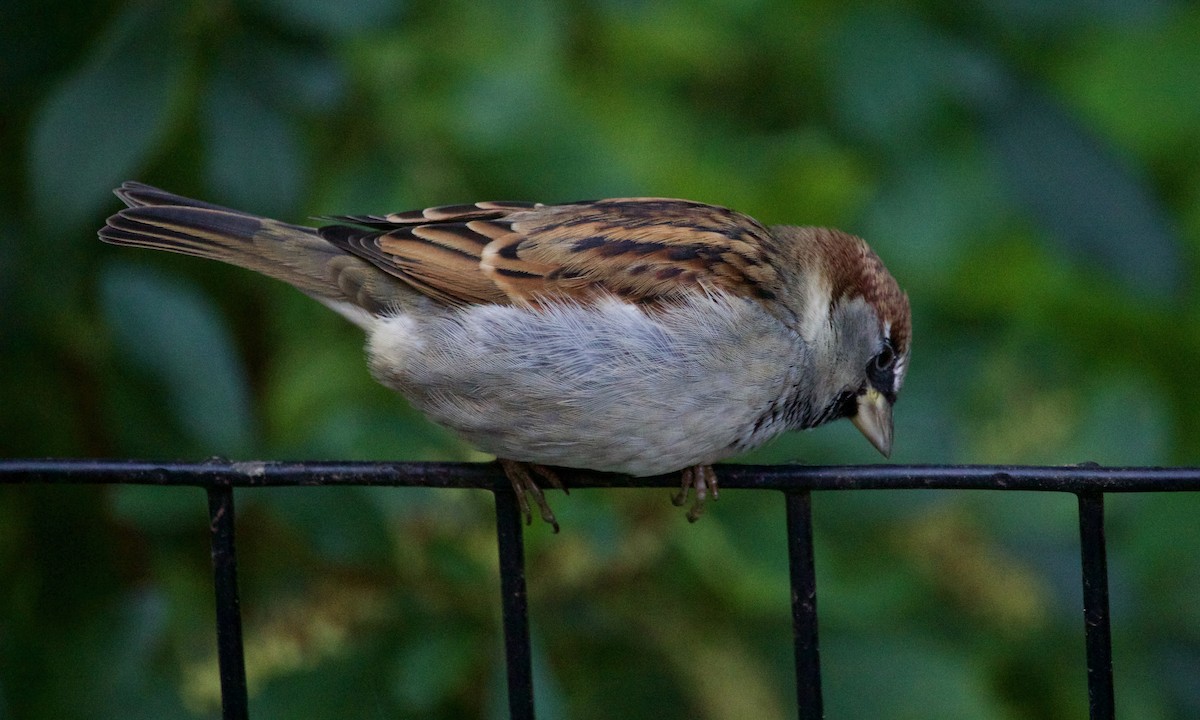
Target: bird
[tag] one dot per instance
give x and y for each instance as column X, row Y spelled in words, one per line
column 637, row 335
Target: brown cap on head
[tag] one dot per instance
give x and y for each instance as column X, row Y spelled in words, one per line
column 879, row 288
column 856, row 271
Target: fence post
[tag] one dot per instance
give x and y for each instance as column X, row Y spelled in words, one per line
column 1096, row 624
column 514, row 605
column 231, row 660
column 804, row 604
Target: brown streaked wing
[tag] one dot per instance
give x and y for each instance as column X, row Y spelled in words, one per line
column 645, row 250
column 440, row 261
column 444, row 257
column 439, row 214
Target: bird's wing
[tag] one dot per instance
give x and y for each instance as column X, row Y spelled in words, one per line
column 642, row 250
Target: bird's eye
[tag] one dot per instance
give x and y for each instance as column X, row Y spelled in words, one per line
column 885, row 360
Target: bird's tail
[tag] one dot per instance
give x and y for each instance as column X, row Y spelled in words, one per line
column 295, row 254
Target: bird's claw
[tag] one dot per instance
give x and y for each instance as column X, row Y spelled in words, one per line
column 524, row 485
column 703, row 480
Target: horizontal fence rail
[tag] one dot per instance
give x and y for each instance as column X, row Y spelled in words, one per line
column 219, row 477
column 1086, row 477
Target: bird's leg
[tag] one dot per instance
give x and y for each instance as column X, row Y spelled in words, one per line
column 703, row 480
column 520, row 474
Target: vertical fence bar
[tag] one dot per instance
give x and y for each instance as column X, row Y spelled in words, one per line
column 1097, row 628
column 231, row 660
column 515, row 605
column 804, row 604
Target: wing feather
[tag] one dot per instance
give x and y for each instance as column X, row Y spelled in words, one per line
column 643, row 250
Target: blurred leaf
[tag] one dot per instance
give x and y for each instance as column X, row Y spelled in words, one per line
column 26, row 59
column 432, row 666
column 336, row 689
column 810, row 180
column 342, row 523
column 1030, row 16
column 116, row 666
column 520, row 88
column 332, row 19
column 357, row 432
column 902, row 679
column 100, row 125
column 500, row 104
column 158, row 510
column 254, row 157
column 927, row 415
column 548, row 695
column 1095, row 208
column 137, row 690
column 1124, row 423
column 175, row 334
column 362, row 185
column 938, row 206
column 1146, row 101
column 10, row 246
column 895, row 77
column 301, row 79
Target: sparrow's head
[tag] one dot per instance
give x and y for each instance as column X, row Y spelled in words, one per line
column 857, row 322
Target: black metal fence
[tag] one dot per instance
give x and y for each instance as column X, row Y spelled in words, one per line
column 1089, row 483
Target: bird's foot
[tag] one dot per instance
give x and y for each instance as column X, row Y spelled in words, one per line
column 703, row 480
column 520, row 474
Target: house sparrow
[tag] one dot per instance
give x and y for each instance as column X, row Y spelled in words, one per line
column 631, row 335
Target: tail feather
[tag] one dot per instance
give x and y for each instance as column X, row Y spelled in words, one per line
column 160, row 220
column 201, row 232
column 136, row 194
column 169, row 222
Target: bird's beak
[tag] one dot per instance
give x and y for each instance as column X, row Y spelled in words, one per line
column 874, row 419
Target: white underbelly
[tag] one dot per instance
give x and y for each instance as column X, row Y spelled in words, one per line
column 609, row 387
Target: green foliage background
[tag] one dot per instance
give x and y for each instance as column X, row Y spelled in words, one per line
column 1029, row 171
